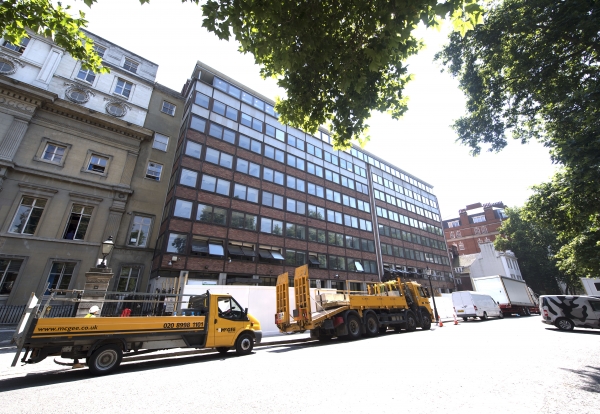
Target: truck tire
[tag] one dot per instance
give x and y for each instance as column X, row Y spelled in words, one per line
column 244, row 344
column 222, row 349
column 564, row 324
column 484, row 316
column 353, row 325
column 425, row 321
column 411, row 321
column 105, row 359
column 371, row 325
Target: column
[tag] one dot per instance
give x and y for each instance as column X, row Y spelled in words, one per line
column 12, row 139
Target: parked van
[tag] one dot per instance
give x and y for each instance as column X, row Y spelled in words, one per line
column 469, row 304
column 566, row 312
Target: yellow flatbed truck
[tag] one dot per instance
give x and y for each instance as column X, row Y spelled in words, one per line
column 214, row 321
column 395, row 304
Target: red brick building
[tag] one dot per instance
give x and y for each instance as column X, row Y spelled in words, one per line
column 477, row 223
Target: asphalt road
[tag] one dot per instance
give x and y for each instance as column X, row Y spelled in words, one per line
column 515, row 365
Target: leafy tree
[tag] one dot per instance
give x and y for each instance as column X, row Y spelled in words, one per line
column 532, row 245
column 337, row 60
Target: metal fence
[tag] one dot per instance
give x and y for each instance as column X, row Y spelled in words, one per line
column 11, row 315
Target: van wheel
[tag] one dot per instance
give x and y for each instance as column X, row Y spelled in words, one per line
column 222, row 349
column 411, row 321
column 371, row 325
column 564, row 324
column 465, row 319
column 353, row 324
column 244, row 344
column 425, row 321
column 484, row 317
column 105, row 359
column 501, row 316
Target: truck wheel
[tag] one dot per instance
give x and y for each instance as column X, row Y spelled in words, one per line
column 222, row 350
column 371, row 325
column 411, row 321
column 564, row 324
column 244, row 344
column 425, row 321
column 105, row 359
column 484, row 317
column 353, row 324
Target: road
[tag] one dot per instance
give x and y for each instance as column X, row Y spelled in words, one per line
column 515, row 365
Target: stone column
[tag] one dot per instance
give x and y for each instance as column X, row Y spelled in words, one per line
column 96, row 286
column 12, row 139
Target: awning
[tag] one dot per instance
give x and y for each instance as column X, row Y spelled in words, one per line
column 199, row 246
column 277, row 255
column 248, row 251
column 235, row 250
column 359, row 267
column 313, row 260
column 265, row 254
column 216, row 249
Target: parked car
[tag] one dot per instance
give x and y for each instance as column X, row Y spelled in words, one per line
column 468, row 304
column 567, row 312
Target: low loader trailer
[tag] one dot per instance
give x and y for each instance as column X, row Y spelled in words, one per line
column 395, row 304
column 210, row 321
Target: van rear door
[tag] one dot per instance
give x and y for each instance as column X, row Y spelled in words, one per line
column 595, row 311
column 463, row 304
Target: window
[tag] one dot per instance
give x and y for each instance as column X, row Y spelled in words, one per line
column 316, row 212
column 168, row 108
column 78, row 223
column 352, row 242
column 316, row 190
column 207, row 247
column 193, row 149
column 97, row 164
column 333, row 196
column 294, row 258
column 243, row 220
column 294, row 206
column 188, row 177
column 86, row 75
column 369, row 266
column 177, row 243
column 6, row 67
column 458, row 233
column 28, row 215
column 317, row 259
column 295, row 142
column 268, row 225
column 54, row 153
column 183, row 209
column 335, row 239
column 227, row 111
column 295, row 183
column 161, row 142
column 337, row 262
column 365, row 225
column 274, row 153
column 272, row 200
column 316, row 235
column 273, row 176
column 275, row 133
column 20, row 48
column 268, row 254
column 295, row 162
column 251, row 144
column 478, row 219
column 367, row 245
column 453, row 223
column 314, row 169
column 202, row 100
column 243, row 251
column 198, row 124
column 130, row 65
column 60, row 276
column 220, row 132
column 354, row 265
column 220, row 158
column 123, row 88
column 251, row 122
column 210, row 214
column 243, row 192
column 9, row 270
column 128, row 278
column 248, row 167
column 154, row 171
column 295, row 231
column 214, row 184
column 139, row 232
column 334, row 216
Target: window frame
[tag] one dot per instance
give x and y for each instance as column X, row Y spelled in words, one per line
column 168, row 105
column 123, row 88
column 155, row 141
column 160, row 171
column 131, row 230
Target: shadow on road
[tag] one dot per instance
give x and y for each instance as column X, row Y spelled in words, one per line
column 591, row 378
column 575, row 331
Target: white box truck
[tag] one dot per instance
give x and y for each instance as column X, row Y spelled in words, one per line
column 469, row 304
column 513, row 295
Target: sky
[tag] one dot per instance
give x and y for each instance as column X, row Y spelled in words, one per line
column 421, row 143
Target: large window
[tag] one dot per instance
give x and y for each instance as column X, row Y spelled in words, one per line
column 210, row 214
column 316, row 235
column 28, row 215
column 225, row 110
column 251, row 144
column 97, row 164
column 273, row 176
column 316, row 212
column 242, row 192
column 78, row 223
column 220, row 132
column 202, row 100
column 335, row 239
column 294, row 258
column 272, row 200
column 86, row 75
column 168, row 108
column 243, row 220
column 183, row 209
column 295, row 231
column 60, row 276
column 271, row 226
column 9, row 270
column 177, row 243
column 123, row 88
column 248, row 167
column 161, row 142
column 20, row 48
column 294, row 206
column 140, row 230
column 193, row 149
column 188, row 177
column 220, row 158
column 128, row 278
column 337, row 262
column 274, row 153
column 215, row 185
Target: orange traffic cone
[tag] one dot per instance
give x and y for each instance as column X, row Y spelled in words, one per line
column 455, row 319
column 441, row 325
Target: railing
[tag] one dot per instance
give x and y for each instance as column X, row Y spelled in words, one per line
column 10, row 315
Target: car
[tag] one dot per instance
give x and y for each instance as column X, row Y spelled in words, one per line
column 568, row 311
column 468, row 304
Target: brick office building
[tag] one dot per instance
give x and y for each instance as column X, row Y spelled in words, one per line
column 251, row 198
column 477, row 223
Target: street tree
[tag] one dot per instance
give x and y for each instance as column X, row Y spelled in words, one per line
column 337, row 60
column 533, row 245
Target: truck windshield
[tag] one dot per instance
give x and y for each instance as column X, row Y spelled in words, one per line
column 229, row 308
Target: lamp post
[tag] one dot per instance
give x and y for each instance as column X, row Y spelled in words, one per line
column 437, row 317
column 107, row 247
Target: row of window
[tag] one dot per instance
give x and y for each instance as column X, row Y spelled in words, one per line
column 411, row 237
column 403, row 253
column 380, row 195
column 403, row 191
column 409, row 221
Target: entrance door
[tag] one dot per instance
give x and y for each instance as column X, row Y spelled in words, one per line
column 229, row 321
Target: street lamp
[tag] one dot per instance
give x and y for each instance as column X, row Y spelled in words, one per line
column 107, row 247
column 437, row 317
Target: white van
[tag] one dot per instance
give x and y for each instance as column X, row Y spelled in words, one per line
column 566, row 312
column 469, row 304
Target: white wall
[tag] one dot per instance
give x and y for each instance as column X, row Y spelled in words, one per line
column 590, row 286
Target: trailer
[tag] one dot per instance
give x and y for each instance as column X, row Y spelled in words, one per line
column 513, row 296
column 349, row 315
column 211, row 321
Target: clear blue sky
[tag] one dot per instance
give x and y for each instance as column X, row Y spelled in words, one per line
column 422, row 143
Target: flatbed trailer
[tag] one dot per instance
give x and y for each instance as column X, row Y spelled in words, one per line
column 214, row 321
column 396, row 304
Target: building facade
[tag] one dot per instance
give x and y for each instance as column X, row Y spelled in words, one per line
column 75, row 159
column 251, row 198
column 477, row 223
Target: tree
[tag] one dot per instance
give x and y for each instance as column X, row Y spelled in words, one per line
column 532, row 71
column 532, row 245
column 337, row 60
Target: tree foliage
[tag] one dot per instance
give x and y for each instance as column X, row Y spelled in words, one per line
column 532, row 244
